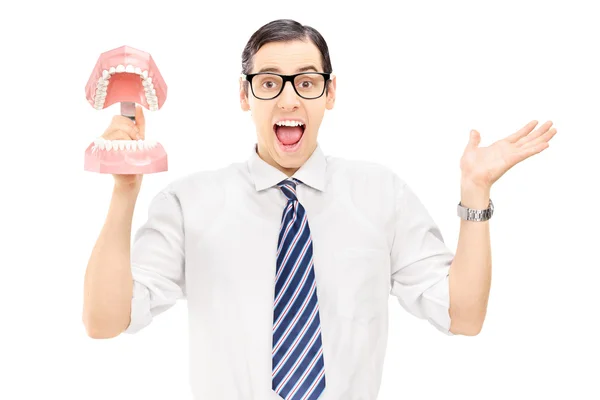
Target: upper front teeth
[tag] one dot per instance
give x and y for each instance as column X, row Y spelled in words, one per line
column 290, row 123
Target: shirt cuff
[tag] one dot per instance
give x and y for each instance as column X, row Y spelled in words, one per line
column 436, row 305
column 140, row 309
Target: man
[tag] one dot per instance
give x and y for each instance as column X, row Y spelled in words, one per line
column 288, row 258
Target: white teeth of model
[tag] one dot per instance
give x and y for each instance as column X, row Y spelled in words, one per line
column 116, row 145
column 130, row 68
column 112, row 70
column 145, row 74
column 138, row 70
column 149, row 80
column 120, row 68
column 105, row 74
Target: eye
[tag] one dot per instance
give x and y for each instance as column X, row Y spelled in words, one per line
column 307, row 84
column 269, row 84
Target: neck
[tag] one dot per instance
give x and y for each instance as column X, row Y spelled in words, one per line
column 265, row 156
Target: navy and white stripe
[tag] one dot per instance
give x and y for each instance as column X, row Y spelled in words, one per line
column 298, row 371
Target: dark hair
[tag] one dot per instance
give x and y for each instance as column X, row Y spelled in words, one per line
column 283, row 30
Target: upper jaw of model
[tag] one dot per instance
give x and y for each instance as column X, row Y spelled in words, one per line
column 126, row 74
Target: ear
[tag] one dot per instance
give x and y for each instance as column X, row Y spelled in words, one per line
column 244, row 104
column 331, row 93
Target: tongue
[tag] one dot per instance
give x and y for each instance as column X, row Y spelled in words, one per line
column 289, row 134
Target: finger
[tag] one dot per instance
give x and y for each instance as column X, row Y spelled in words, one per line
column 140, row 121
column 474, row 139
column 130, row 129
column 542, row 139
column 120, row 119
column 522, row 132
column 117, row 135
column 537, row 133
column 525, row 153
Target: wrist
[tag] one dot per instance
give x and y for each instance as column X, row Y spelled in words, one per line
column 126, row 192
column 473, row 195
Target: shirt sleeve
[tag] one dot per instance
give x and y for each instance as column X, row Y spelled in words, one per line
column 420, row 261
column 157, row 261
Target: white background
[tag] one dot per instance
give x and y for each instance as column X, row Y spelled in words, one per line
column 413, row 79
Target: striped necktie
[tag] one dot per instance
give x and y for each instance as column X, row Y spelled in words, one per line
column 298, row 364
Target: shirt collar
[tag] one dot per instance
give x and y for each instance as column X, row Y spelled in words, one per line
column 311, row 173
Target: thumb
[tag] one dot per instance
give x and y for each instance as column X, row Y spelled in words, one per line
column 474, row 139
column 140, row 121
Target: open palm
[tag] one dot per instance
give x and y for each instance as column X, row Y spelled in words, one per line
column 485, row 165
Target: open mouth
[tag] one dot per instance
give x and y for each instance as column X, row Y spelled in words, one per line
column 289, row 134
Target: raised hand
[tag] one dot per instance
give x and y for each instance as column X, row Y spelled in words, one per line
column 482, row 166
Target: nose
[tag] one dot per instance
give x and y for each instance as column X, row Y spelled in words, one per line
column 288, row 99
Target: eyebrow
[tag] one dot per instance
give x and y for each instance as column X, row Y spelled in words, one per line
column 301, row 69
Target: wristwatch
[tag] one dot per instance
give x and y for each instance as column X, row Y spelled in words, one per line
column 469, row 214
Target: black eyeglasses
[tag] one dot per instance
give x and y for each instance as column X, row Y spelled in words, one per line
column 268, row 85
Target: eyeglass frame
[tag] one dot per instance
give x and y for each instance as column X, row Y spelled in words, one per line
column 288, row 78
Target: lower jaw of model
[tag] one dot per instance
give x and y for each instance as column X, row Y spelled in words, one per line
column 123, row 75
column 124, row 157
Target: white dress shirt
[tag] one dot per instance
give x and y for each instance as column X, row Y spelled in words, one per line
column 211, row 238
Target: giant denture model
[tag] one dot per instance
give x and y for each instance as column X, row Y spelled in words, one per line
column 128, row 76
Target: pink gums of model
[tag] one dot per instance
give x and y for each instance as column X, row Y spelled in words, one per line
column 128, row 76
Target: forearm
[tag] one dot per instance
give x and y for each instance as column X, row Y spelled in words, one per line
column 108, row 283
column 471, row 269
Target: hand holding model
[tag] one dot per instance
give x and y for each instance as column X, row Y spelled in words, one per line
column 123, row 128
